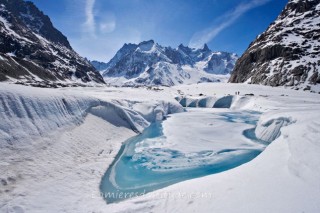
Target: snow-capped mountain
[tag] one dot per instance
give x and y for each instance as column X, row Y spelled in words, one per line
column 288, row 52
column 32, row 50
column 149, row 63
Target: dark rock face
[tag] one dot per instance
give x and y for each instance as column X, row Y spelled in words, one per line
column 288, row 52
column 31, row 49
column 149, row 63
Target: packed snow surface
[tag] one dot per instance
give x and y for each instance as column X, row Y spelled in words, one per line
column 57, row 144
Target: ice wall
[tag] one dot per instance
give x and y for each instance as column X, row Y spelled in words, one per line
column 29, row 113
column 228, row 101
column 271, row 123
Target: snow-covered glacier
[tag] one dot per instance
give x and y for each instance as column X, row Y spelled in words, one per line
column 60, row 142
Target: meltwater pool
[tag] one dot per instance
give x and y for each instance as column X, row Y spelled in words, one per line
column 219, row 141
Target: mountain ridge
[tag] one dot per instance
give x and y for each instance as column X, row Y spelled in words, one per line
column 287, row 53
column 32, row 50
column 149, row 63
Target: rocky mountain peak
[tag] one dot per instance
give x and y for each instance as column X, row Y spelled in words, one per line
column 149, row 63
column 149, row 42
column 287, row 53
column 147, row 46
column 205, row 48
column 33, row 50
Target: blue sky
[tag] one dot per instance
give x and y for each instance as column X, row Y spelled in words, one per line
column 98, row 28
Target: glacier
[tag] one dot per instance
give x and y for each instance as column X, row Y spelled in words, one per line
column 59, row 142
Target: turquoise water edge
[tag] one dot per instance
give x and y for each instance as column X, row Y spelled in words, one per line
column 128, row 176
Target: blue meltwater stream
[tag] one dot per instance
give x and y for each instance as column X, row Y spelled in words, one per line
column 135, row 172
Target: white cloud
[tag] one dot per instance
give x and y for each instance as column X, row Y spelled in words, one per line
column 107, row 23
column 95, row 23
column 107, row 27
column 89, row 25
column 204, row 36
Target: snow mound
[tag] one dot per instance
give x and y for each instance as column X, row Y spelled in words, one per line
column 300, row 132
column 194, row 103
column 242, row 102
column 203, row 102
column 270, row 130
column 207, row 102
column 233, row 102
column 119, row 116
column 134, row 114
column 304, row 161
column 185, row 101
column 150, row 111
column 224, row 102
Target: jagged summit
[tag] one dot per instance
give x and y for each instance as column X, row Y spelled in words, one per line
column 149, row 63
column 205, row 47
column 287, row 53
column 33, row 50
column 151, row 41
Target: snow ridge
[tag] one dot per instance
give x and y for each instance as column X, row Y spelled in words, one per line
column 28, row 114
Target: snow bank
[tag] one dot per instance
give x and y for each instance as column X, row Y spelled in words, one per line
column 189, row 101
column 68, row 165
column 133, row 114
column 26, row 114
column 224, row 102
column 304, row 161
column 49, row 137
column 243, row 102
column 300, row 131
column 236, row 102
column 268, row 130
column 207, row 102
column 119, row 116
column 203, row 102
column 150, row 111
column 229, row 101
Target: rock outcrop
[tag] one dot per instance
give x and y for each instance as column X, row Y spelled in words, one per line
column 288, row 52
column 32, row 50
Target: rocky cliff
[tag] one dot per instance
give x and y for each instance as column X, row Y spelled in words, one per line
column 33, row 50
column 288, row 52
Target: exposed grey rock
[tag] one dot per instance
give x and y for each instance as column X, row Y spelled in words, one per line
column 31, row 49
column 288, row 52
column 149, row 63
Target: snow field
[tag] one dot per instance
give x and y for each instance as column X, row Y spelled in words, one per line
column 46, row 167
